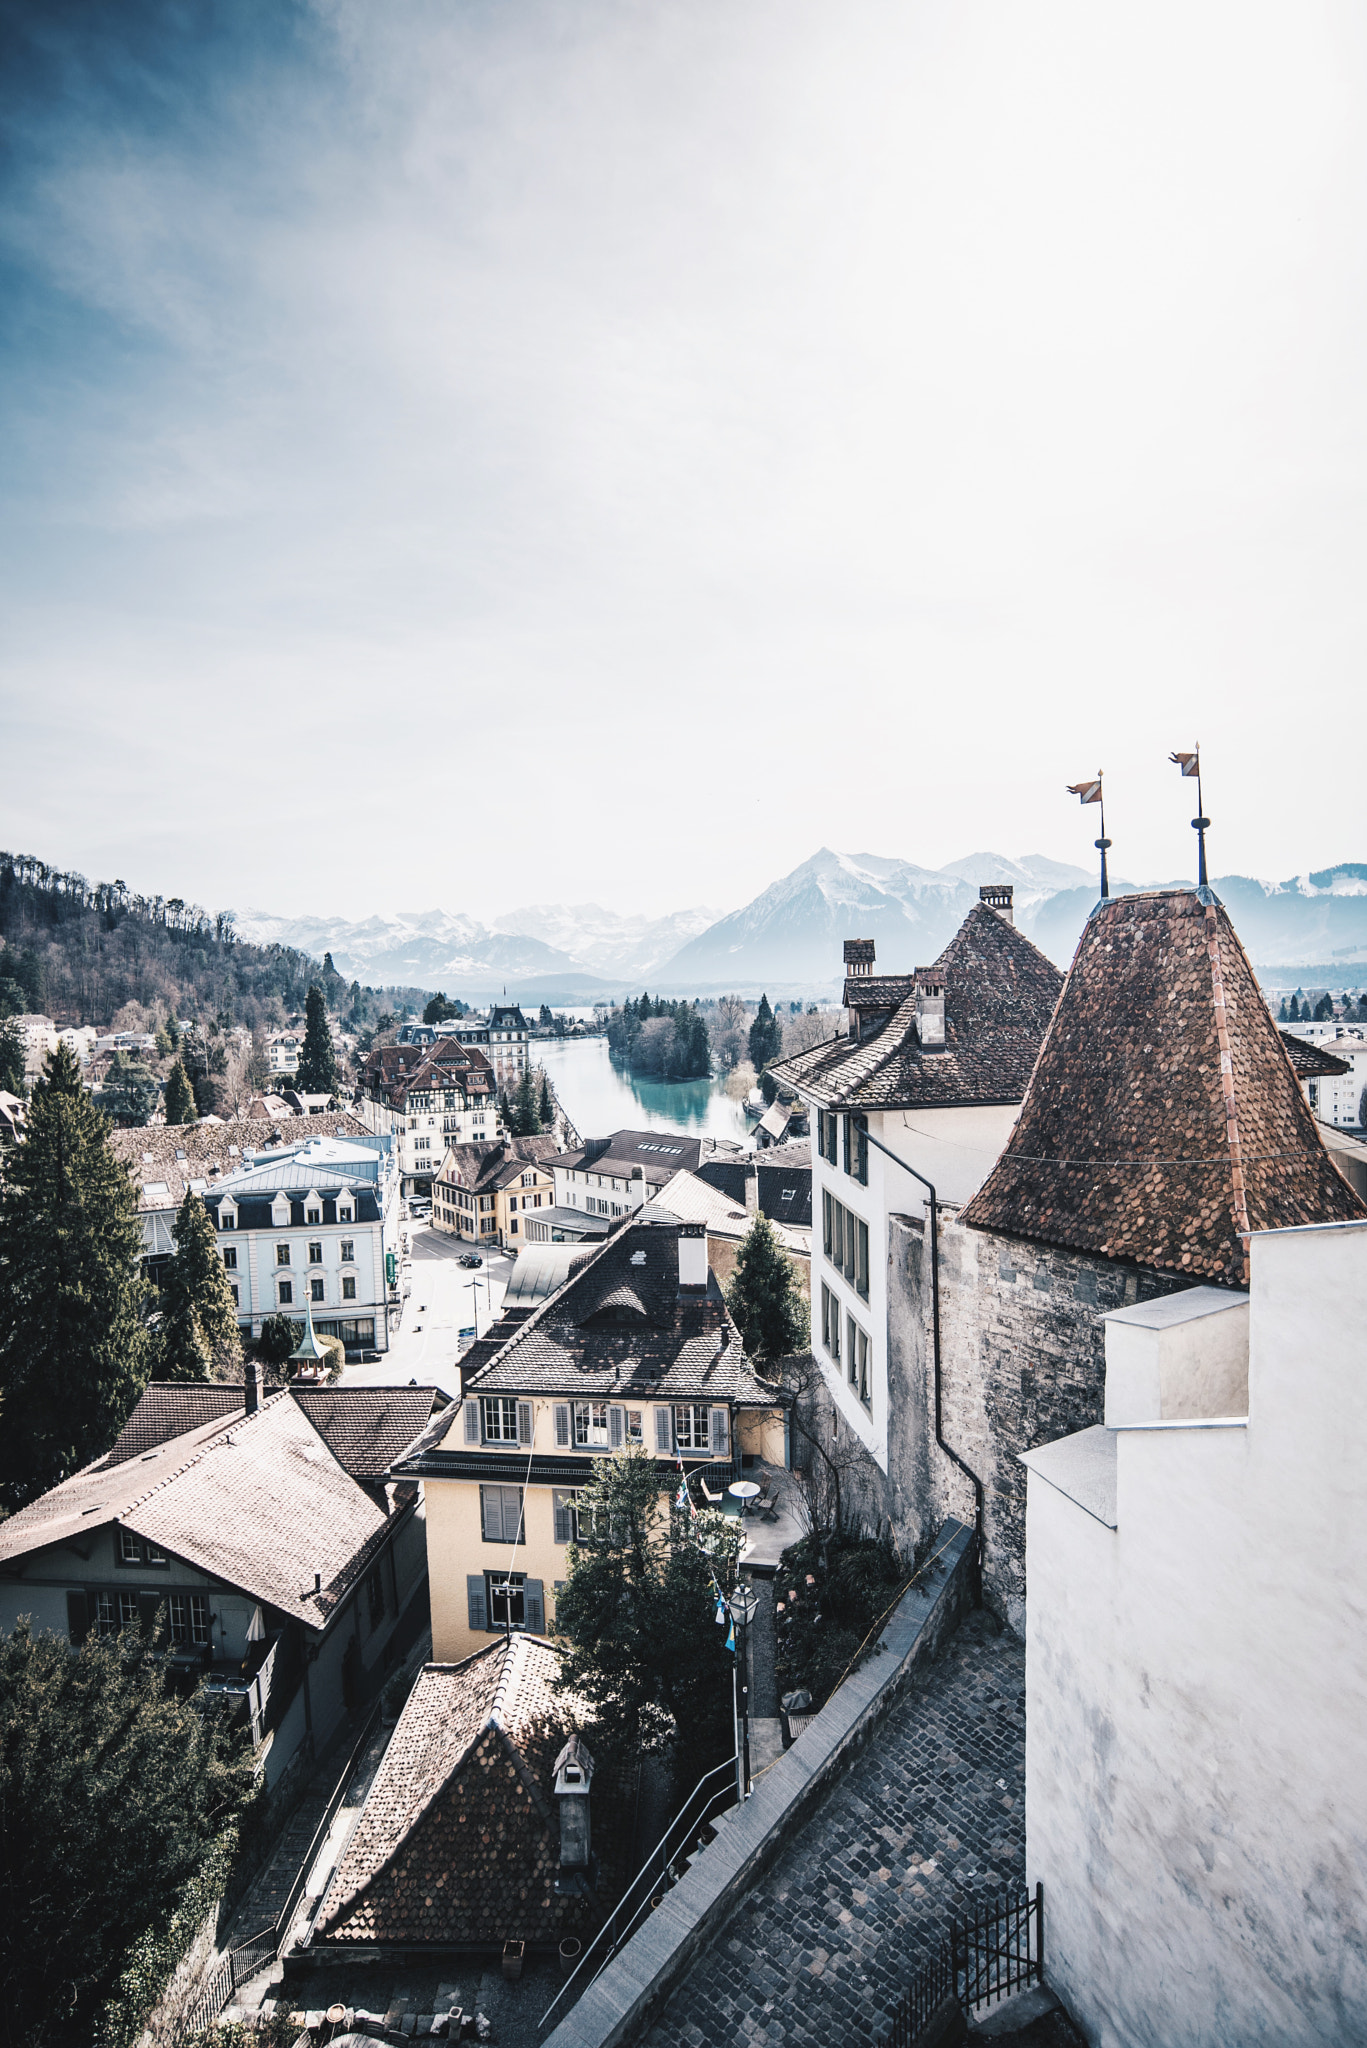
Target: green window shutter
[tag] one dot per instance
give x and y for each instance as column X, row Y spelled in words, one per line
column 663, row 1430
column 474, row 1593
column 491, row 1513
column 524, row 1422
column 77, row 1623
column 721, row 1440
column 472, row 1422
column 562, row 1424
column 534, row 1607
column 560, row 1509
column 615, row 1428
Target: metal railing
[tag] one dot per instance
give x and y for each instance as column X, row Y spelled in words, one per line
column 661, row 1870
column 994, row 1951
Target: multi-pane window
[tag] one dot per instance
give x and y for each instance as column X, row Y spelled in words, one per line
column 845, row 1240
column 830, row 1323
column 282, row 1255
column 232, row 1289
column 590, row 1422
column 507, row 1599
column 286, row 1288
column 313, row 1216
column 130, row 1550
column 827, row 1135
column 501, row 1513
column 348, row 1251
column 103, row 1618
column 857, row 1148
column 315, row 1252
column 188, row 1617
column 316, row 1290
column 636, row 1426
column 344, row 1214
column 128, row 1610
column 564, row 1515
column 857, row 1357
column 348, row 1287
column 500, row 1419
column 691, row 1427
column 230, row 1257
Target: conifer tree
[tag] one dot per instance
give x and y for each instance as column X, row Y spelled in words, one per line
column 12, row 1060
column 73, row 1346
column 766, row 1037
column 764, row 1298
column 526, row 1121
column 546, row 1108
column 1281, row 1014
column 198, row 1338
column 180, row 1096
column 318, row 1060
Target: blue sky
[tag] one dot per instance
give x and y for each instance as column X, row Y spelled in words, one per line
column 490, row 454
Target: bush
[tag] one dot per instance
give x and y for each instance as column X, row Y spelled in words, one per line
column 820, row 1633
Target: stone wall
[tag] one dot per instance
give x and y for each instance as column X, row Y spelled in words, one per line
column 1023, row 1362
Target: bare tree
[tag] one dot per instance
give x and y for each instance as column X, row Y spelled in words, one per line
column 822, row 1461
column 729, row 1028
column 814, row 1027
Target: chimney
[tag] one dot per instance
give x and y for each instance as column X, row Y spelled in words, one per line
column 252, row 1389
column 858, row 958
column 692, row 1258
column 751, row 1188
column 999, row 896
column 930, row 1008
column 573, row 1777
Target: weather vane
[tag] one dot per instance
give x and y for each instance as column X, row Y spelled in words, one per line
column 1190, row 764
column 1090, row 793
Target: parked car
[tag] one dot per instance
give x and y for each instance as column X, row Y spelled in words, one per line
column 470, row 1259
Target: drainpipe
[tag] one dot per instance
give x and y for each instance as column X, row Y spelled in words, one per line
column 948, row 1449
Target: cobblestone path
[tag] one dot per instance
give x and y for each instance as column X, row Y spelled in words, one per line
column 930, row 1818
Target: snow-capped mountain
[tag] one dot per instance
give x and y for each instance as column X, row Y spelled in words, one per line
column 789, row 938
column 604, row 943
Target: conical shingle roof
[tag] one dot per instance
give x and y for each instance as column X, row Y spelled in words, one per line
column 1163, row 1122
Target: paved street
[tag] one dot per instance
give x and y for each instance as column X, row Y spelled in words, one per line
column 930, row 1818
column 427, row 1344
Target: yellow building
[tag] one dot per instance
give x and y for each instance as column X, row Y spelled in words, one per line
column 636, row 1348
column 482, row 1192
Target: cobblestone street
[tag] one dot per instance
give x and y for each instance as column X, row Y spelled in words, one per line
column 930, row 1818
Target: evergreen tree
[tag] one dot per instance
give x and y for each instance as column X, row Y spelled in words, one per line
column 73, row 1348
column 280, row 1335
column 114, row 1793
column 317, row 1061
column 180, row 1098
column 764, row 1298
column 505, row 1113
column 130, row 1092
column 1295, row 1011
column 637, row 1608
column 526, row 1121
column 766, row 1037
column 1281, row 1014
column 198, row 1338
column 546, row 1108
column 439, row 1011
column 1324, row 1009
column 12, row 1055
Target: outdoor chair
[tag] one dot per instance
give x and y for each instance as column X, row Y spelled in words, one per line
column 714, row 1500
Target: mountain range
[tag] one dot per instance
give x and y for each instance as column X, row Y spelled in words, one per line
column 788, row 940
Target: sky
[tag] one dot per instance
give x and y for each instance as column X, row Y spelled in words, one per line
column 557, row 450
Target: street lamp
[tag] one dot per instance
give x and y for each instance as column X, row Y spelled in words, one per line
column 744, row 1602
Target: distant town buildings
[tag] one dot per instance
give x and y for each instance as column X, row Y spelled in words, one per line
column 431, row 1097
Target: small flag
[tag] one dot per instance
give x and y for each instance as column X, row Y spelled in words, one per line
column 1086, row 792
column 721, row 1612
column 731, row 1639
column 1190, row 764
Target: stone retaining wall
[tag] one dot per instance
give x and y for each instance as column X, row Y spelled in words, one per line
column 618, row 2007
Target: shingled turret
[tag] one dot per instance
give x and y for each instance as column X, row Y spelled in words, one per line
column 1163, row 1122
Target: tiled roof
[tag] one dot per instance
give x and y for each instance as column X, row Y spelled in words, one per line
column 482, row 1168
column 171, row 1408
column 1000, row 992
column 1164, row 1121
column 458, row 1843
column 214, row 1150
column 695, row 1200
column 1312, row 1062
column 365, row 1428
column 259, row 1501
column 620, row 1326
column 657, row 1153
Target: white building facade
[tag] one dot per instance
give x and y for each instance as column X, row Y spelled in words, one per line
column 1196, row 1761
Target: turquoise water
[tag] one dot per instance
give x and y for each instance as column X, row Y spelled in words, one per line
column 600, row 1098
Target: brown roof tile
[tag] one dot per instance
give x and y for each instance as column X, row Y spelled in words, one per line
column 150, row 1152
column 1163, row 1121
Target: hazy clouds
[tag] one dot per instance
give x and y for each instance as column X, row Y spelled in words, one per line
column 452, row 450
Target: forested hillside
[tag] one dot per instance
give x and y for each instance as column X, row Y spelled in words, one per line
column 77, row 951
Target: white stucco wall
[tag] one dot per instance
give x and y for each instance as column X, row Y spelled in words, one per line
column 1196, row 1735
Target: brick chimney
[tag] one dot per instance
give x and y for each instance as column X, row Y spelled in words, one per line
column 251, row 1388
column 999, row 896
column 930, row 1008
column 692, row 1258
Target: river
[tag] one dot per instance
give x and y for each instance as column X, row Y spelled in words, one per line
column 600, row 1098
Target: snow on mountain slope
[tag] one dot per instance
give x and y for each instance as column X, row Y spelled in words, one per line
column 604, row 942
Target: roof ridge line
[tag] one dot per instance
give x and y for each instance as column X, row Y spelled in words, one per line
column 533, row 1320
column 210, row 1443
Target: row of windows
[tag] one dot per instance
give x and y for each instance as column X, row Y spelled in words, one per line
column 601, row 1425
column 501, row 1514
column 187, row 1615
column 845, row 1241
column 856, row 1345
column 856, row 1142
column 227, row 1220
column 317, row 1290
column 315, row 1258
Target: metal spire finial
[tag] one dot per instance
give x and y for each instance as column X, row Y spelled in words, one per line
column 1091, row 793
column 1190, row 764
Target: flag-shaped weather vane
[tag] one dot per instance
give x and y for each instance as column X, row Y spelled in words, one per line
column 1090, row 793
column 1190, row 764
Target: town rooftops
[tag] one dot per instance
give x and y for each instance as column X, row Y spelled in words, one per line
column 480, row 1169
column 260, row 1501
column 1312, row 1062
column 622, row 1326
column 658, row 1154
column 167, row 1160
column 506, row 1017
column 365, row 1428
column 1164, row 1121
column 458, row 1843
column 695, row 1200
column 999, row 993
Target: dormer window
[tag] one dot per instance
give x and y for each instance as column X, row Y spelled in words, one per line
column 227, row 1220
column 344, row 1214
column 313, row 1216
